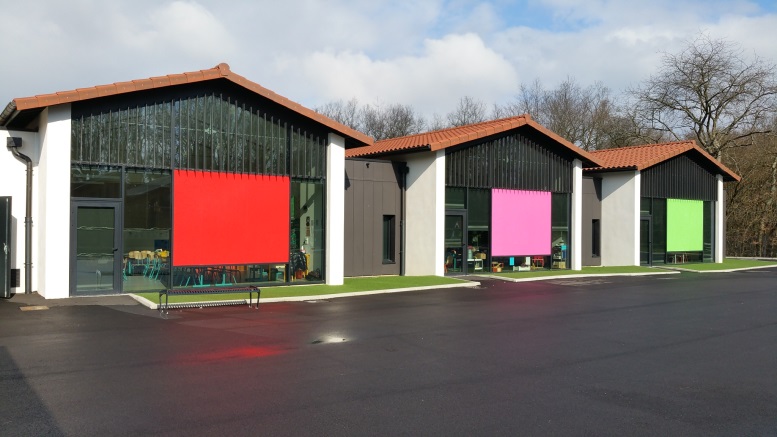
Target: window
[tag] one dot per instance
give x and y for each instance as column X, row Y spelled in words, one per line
column 595, row 238
column 388, row 239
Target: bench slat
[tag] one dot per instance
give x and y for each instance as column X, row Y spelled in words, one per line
column 209, row 290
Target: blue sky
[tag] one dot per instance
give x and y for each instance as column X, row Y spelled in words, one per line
column 425, row 53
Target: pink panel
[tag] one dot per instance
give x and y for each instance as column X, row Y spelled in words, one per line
column 520, row 222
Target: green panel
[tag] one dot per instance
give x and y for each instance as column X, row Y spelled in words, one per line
column 684, row 225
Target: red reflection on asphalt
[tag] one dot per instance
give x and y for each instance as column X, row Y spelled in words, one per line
column 238, row 353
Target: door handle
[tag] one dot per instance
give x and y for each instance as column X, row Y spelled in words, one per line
column 115, row 249
column 5, row 248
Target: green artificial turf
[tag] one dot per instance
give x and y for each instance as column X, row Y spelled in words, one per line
column 585, row 271
column 727, row 264
column 351, row 285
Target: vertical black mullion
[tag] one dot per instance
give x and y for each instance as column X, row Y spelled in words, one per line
column 292, row 141
column 113, row 159
column 274, row 138
column 153, row 131
column 212, row 136
column 258, row 144
column 264, row 143
column 288, row 129
column 191, row 123
column 190, row 146
column 173, row 124
column 137, row 135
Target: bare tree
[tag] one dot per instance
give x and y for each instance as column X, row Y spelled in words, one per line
column 378, row 121
column 390, row 121
column 468, row 111
column 437, row 123
column 343, row 112
column 711, row 92
column 586, row 116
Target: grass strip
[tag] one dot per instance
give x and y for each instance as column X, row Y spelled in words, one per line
column 351, row 285
column 727, row 264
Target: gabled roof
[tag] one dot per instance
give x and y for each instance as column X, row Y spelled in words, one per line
column 648, row 155
column 454, row 136
column 221, row 71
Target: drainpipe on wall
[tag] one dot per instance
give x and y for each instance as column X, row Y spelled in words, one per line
column 14, row 143
column 403, row 169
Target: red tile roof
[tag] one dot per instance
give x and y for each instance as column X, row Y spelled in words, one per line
column 648, row 155
column 220, row 71
column 444, row 138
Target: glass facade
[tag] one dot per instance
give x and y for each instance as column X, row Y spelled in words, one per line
column 655, row 209
column 470, row 212
column 559, row 240
column 131, row 151
column 147, row 227
column 306, row 238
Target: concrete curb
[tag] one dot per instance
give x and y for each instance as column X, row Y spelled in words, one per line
column 582, row 275
column 468, row 284
column 680, row 269
column 143, row 301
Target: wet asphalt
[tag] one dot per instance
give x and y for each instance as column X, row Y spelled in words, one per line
column 686, row 354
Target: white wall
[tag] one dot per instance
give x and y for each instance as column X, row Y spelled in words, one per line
column 13, row 183
column 425, row 214
column 53, row 198
column 577, row 215
column 620, row 218
column 720, row 232
column 335, row 210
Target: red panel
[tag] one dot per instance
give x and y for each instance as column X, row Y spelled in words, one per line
column 226, row 218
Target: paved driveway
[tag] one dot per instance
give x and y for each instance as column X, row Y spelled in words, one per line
column 686, row 354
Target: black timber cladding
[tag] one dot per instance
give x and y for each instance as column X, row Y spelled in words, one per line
column 513, row 161
column 372, row 190
column 679, row 178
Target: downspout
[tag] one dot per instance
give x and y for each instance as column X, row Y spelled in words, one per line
column 14, row 143
column 403, row 169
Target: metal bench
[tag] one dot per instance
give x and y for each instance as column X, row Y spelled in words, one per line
column 206, row 290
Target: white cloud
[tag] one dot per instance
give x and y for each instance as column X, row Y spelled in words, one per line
column 181, row 26
column 448, row 68
column 424, row 53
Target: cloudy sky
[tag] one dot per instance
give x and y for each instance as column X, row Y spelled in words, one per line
column 424, row 53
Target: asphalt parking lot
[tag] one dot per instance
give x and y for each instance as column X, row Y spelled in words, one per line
column 685, row 354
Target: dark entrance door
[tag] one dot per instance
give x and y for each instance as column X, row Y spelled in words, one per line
column 455, row 242
column 95, row 246
column 5, row 246
column 645, row 241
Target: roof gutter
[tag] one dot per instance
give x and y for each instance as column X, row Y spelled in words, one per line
column 14, row 143
column 8, row 114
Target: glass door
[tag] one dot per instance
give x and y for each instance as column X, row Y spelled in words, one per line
column 96, row 258
column 645, row 241
column 455, row 249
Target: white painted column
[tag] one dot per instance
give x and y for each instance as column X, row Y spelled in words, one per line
column 425, row 214
column 439, row 217
column 637, row 214
column 577, row 215
column 335, row 210
column 720, row 232
column 620, row 218
column 53, row 221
